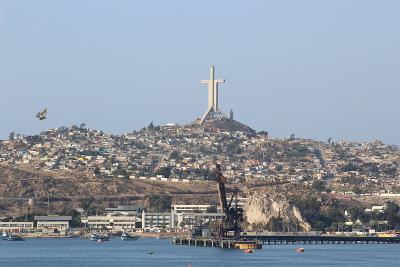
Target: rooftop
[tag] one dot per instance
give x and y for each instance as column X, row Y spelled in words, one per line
column 52, row 218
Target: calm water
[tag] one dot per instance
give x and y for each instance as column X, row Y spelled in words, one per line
column 81, row 252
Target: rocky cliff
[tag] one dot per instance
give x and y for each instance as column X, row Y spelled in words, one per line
column 273, row 212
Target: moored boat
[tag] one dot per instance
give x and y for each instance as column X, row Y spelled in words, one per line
column 14, row 238
column 4, row 236
column 248, row 244
column 105, row 237
column 127, row 237
column 94, row 237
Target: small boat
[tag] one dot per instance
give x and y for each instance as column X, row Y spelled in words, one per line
column 14, row 238
column 94, row 237
column 248, row 244
column 105, row 237
column 248, row 251
column 4, row 236
column 161, row 237
column 100, row 240
column 300, row 250
column 151, row 253
column 127, row 237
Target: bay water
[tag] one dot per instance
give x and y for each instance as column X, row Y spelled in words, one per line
column 161, row 252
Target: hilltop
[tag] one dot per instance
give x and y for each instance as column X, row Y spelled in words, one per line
column 222, row 125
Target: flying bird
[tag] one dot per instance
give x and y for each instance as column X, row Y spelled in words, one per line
column 42, row 115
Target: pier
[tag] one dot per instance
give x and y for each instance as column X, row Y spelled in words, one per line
column 284, row 240
column 322, row 239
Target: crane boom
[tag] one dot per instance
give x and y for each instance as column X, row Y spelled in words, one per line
column 233, row 215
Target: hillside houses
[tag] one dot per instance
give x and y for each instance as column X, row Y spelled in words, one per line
column 191, row 152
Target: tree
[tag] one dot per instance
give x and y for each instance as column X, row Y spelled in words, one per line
column 164, row 171
column 318, row 185
column 279, row 168
column 159, row 203
column 212, row 209
column 392, row 214
column 349, row 167
column 86, row 203
column 175, row 155
column 76, row 216
column 120, row 171
column 91, row 211
column 96, row 171
column 358, row 213
column 357, row 190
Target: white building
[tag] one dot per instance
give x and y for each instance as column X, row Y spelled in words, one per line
column 112, row 222
column 379, row 209
column 189, row 208
column 155, row 221
column 192, row 219
column 15, row 227
column 59, row 223
column 125, row 210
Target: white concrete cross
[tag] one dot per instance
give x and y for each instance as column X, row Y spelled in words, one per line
column 212, row 90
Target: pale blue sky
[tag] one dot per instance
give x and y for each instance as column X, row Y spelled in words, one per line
column 318, row 69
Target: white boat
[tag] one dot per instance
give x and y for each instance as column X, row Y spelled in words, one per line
column 127, row 237
column 94, row 237
column 14, row 237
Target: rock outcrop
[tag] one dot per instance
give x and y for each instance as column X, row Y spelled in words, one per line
column 273, row 212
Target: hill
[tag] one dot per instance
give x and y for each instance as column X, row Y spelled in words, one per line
column 223, row 125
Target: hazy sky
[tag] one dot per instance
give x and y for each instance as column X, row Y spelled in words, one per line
column 318, row 69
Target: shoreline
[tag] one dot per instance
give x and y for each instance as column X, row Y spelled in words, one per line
column 138, row 234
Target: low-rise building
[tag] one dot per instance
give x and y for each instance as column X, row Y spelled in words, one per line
column 192, row 219
column 112, row 222
column 15, row 227
column 152, row 221
column 189, row 208
column 125, row 210
column 53, row 223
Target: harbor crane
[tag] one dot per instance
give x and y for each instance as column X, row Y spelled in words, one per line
column 230, row 225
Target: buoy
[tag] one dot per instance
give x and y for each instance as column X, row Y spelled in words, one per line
column 300, row 250
column 248, row 251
